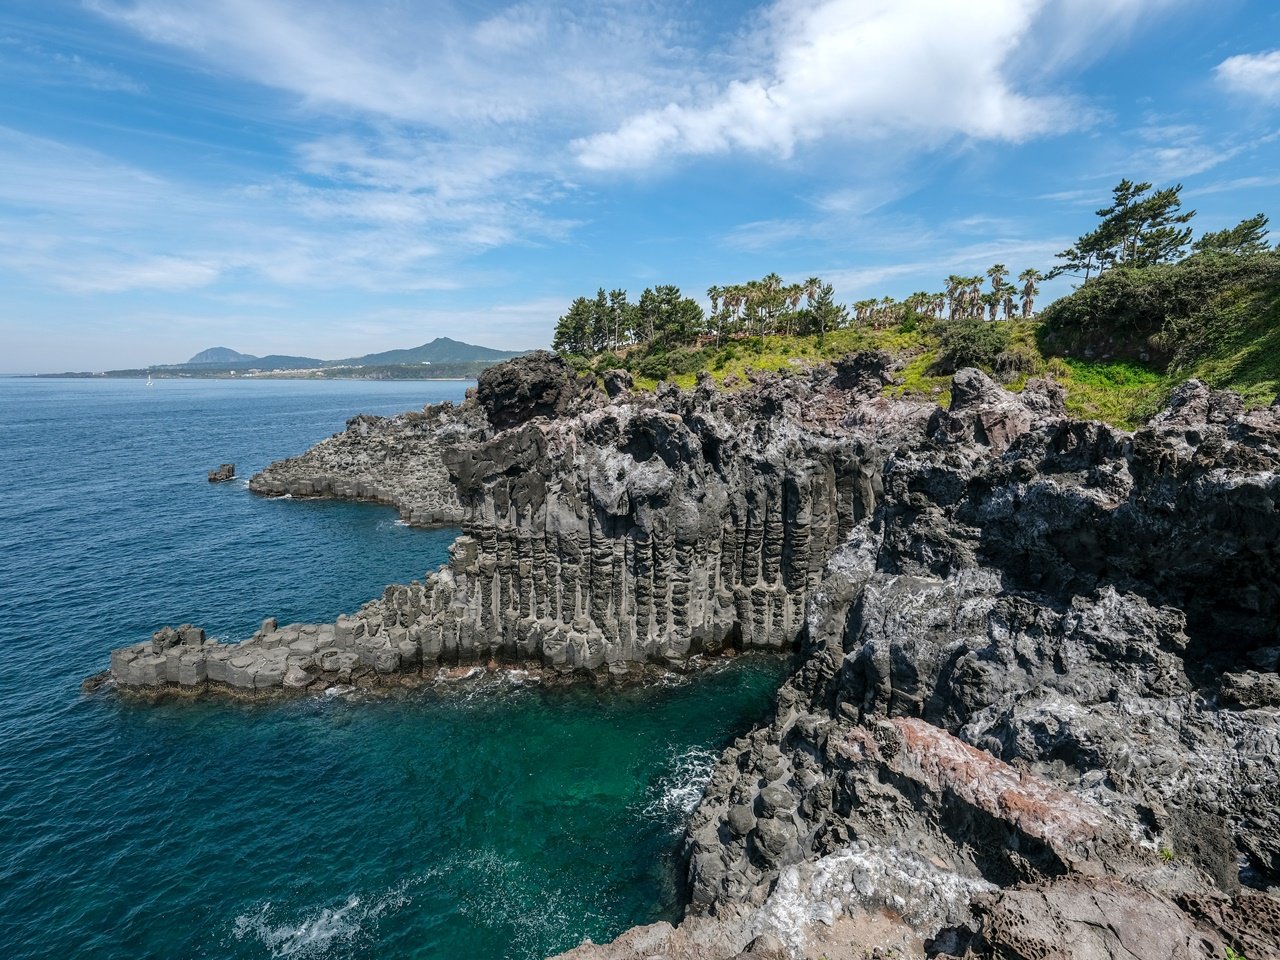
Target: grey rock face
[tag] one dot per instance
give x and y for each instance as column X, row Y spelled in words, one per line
column 225, row 472
column 649, row 530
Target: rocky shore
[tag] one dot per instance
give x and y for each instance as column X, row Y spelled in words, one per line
column 391, row 460
column 1037, row 712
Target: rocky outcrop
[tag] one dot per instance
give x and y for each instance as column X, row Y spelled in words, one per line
column 391, row 460
column 225, row 472
column 540, row 385
column 640, row 530
column 1034, row 716
column 1037, row 711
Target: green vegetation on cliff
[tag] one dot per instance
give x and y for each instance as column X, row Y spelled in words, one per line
column 1145, row 318
column 1212, row 316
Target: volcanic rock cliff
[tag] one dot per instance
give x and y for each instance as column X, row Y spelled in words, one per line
column 1036, row 708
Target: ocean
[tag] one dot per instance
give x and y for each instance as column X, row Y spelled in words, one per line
column 499, row 822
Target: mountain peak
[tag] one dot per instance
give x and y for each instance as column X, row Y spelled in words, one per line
column 221, row 355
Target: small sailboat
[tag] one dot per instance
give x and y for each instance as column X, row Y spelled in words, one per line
column 150, row 382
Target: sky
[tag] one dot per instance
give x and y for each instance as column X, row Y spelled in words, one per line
column 334, row 178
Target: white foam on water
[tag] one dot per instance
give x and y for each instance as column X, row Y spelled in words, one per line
column 497, row 897
column 678, row 793
column 317, row 933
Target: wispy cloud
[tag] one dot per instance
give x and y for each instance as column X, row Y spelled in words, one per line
column 445, row 69
column 929, row 273
column 1252, row 74
column 1233, row 184
column 41, row 65
column 396, row 220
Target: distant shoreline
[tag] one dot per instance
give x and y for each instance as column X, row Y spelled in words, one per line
column 311, row 379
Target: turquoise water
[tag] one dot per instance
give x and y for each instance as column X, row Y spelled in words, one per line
column 504, row 823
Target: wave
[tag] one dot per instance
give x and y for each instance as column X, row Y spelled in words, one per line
column 677, row 793
column 315, row 935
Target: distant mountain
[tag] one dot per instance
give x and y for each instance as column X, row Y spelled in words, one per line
column 442, row 358
column 224, row 358
column 439, row 350
column 220, row 355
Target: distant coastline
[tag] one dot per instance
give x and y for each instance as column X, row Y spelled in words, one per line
column 441, row 359
column 281, row 375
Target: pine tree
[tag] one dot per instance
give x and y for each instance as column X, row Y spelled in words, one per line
column 1138, row 229
column 573, row 330
column 1246, row 237
column 822, row 314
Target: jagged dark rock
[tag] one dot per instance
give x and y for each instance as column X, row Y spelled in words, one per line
column 391, row 460
column 1035, row 712
column 617, row 382
column 225, row 472
column 539, row 384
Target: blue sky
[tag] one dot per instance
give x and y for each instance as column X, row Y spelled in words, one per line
column 329, row 179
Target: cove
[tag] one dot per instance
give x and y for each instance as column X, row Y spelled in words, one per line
column 510, row 822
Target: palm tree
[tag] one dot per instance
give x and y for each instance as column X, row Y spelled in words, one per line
column 975, row 297
column 1029, row 278
column 713, row 294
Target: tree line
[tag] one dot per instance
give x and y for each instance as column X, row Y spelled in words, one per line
column 665, row 318
column 1141, row 227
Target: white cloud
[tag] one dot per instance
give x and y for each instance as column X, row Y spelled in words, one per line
column 392, row 216
column 1233, row 184
column 929, row 273
column 1253, row 74
column 96, row 75
column 924, row 70
column 40, row 65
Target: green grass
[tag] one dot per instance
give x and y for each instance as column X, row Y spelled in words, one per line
column 1117, row 392
column 1244, row 349
column 734, row 358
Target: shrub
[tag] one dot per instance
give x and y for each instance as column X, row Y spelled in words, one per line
column 1159, row 313
column 971, row 343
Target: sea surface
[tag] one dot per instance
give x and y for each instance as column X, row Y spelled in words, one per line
column 507, row 822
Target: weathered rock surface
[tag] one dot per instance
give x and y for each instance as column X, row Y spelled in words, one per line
column 1037, row 712
column 649, row 529
column 225, row 472
column 391, row 460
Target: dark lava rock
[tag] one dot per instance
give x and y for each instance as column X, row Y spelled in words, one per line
column 538, row 384
column 617, row 382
